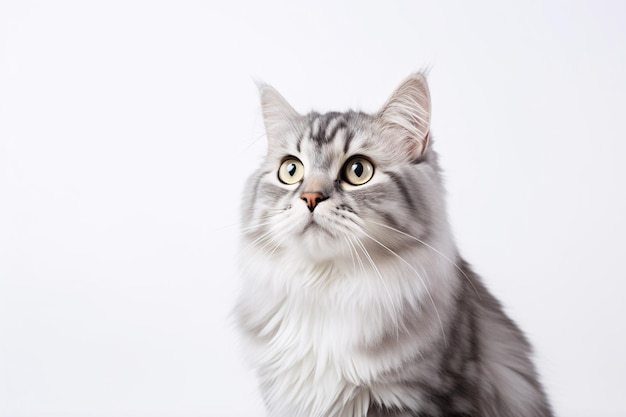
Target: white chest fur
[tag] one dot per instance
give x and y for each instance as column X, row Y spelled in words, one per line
column 315, row 332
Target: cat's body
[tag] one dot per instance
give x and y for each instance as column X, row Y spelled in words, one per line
column 356, row 302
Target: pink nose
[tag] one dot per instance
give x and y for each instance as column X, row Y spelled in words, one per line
column 312, row 199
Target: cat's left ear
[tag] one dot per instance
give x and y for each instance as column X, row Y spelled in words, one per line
column 408, row 109
column 278, row 115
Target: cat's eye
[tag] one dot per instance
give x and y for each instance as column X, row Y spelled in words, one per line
column 291, row 171
column 358, row 170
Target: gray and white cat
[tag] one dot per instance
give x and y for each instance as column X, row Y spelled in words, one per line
column 355, row 299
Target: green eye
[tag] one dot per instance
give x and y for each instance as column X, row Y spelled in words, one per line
column 358, row 170
column 291, row 171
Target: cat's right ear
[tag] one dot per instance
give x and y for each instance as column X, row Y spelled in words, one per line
column 408, row 111
column 278, row 115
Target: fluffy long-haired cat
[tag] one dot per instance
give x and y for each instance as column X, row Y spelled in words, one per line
column 355, row 299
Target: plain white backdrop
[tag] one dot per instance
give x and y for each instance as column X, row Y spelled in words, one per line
column 127, row 131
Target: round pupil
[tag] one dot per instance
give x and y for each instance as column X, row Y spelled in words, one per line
column 291, row 169
column 357, row 168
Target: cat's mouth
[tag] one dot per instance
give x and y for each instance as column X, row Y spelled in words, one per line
column 313, row 226
column 317, row 240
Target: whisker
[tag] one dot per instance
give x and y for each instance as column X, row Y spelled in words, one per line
column 357, row 254
column 257, row 240
column 433, row 249
column 421, row 280
column 252, row 143
column 351, row 249
column 270, row 241
column 266, row 239
column 279, row 243
column 382, row 280
column 228, row 226
column 254, row 226
column 251, row 259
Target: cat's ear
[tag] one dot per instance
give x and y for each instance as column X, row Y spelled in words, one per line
column 278, row 115
column 408, row 109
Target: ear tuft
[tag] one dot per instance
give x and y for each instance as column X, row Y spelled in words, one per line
column 408, row 108
column 278, row 115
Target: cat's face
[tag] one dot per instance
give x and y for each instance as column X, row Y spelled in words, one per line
column 341, row 186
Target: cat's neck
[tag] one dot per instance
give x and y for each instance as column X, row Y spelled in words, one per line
column 424, row 269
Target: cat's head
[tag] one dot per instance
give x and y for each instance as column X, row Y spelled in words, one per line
column 337, row 186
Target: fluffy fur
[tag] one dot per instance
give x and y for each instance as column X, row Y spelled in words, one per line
column 362, row 306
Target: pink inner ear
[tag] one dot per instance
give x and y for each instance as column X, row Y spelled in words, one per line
column 416, row 148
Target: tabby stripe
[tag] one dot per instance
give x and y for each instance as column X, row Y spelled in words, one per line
column 348, row 139
column 299, row 144
column 317, row 131
column 324, row 127
column 389, row 219
column 399, row 181
column 334, row 126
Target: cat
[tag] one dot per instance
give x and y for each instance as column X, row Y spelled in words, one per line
column 355, row 301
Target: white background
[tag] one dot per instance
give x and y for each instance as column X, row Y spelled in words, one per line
column 127, row 131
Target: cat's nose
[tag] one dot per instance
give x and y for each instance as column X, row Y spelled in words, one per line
column 312, row 199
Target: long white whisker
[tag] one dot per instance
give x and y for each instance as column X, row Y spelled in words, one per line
column 279, row 243
column 265, row 237
column 268, row 216
column 358, row 257
column 433, row 249
column 255, row 226
column 257, row 240
column 251, row 144
column 269, row 242
column 443, row 333
column 382, row 280
column 352, row 250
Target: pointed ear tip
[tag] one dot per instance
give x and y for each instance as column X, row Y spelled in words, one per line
column 420, row 77
column 264, row 88
column 260, row 84
column 269, row 94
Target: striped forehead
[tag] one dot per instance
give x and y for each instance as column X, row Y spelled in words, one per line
column 328, row 134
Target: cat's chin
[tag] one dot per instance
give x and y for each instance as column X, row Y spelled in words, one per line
column 319, row 250
column 317, row 244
